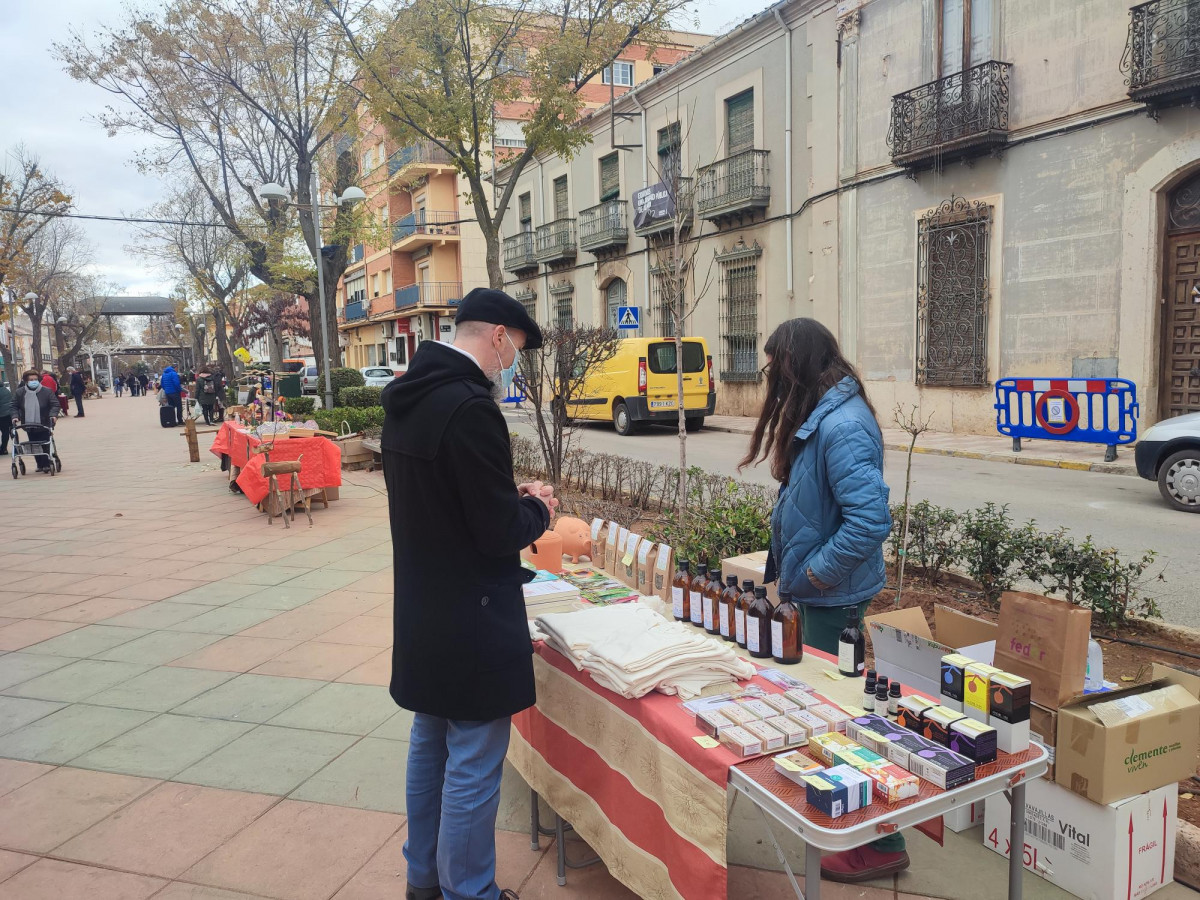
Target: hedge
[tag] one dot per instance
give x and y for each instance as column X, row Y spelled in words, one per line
column 344, row 378
column 299, row 406
column 360, row 397
column 358, row 419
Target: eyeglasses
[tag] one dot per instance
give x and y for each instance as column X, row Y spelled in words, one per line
column 765, row 371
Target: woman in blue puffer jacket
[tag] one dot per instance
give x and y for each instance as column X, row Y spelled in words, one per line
column 818, row 432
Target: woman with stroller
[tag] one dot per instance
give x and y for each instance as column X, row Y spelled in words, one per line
column 36, row 408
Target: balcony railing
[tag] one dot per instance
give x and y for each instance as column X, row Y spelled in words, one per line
column 604, row 226
column 356, row 254
column 356, row 310
column 430, row 222
column 1162, row 56
column 555, row 241
column 518, row 252
column 737, row 184
column 955, row 116
column 660, row 207
column 419, row 153
column 429, row 294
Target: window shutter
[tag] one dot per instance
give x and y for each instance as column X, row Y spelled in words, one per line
column 981, row 31
column 610, row 177
column 561, row 210
column 952, row 37
column 739, row 122
column 525, row 215
column 669, row 163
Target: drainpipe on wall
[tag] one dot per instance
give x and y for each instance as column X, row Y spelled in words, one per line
column 787, row 150
column 645, row 183
column 542, row 209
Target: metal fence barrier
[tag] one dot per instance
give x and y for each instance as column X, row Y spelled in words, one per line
column 1085, row 410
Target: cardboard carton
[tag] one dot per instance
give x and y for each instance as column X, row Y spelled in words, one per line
column 754, row 567
column 963, row 817
column 1043, row 728
column 830, row 797
column 953, row 680
column 1045, row 641
column 912, row 708
column 906, row 650
column 974, row 740
column 859, row 787
column 794, row 766
column 936, row 724
column 1124, row 851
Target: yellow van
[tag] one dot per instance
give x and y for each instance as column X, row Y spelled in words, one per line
column 639, row 384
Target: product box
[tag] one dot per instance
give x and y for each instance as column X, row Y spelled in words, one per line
column 1009, row 712
column 741, row 742
column 712, row 722
column 645, row 568
column 858, row 786
column 1124, row 851
column 737, row 713
column 942, row 767
column 902, row 744
column 892, row 783
column 754, row 567
column 793, row 734
column 830, row 797
column 968, row 815
column 936, row 722
column 780, row 703
column 812, row 725
column 976, row 690
column 1045, row 641
column 906, row 650
column 803, row 699
column 1122, row 743
column 836, row 718
column 823, row 746
column 664, row 572
column 974, row 740
column 758, row 708
column 873, row 741
column 794, row 766
column 1043, row 728
column 858, row 757
column 952, row 683
column 772, row 740
column 610, row 548
column 870, row 722
column 911, row 709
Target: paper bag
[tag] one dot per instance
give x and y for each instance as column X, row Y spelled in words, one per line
column 610, row 548
column 664, row 572
column 645, row 567
column 1045, row 641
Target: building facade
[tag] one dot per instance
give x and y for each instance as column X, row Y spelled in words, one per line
column 962, row 190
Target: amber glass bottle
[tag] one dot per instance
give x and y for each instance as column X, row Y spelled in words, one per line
column 698, row 582
column 712, row 599
column 725, row 607
column 681, row 586
column 758, row 624
column 745, row 598
column 787, row 634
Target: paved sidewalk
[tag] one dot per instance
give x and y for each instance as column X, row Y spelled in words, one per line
column 192, row 703
column 990, row 447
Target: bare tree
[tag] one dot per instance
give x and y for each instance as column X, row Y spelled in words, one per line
column 909, row 420
column 76, row 310
column 54, row 258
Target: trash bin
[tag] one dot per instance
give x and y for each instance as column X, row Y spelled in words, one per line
column 287, row 385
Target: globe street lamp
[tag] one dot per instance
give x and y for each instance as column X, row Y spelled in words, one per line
column 351, row 195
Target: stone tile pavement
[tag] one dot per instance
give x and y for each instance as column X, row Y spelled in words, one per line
column 193, row 704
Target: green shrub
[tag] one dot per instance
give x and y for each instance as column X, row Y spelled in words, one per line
column 357, row 419
column 230, row 396
column 343, row 378
column 299, row 406
column 726, row 518
column 360, row 397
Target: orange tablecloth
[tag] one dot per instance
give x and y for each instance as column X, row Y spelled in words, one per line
column 320, row 460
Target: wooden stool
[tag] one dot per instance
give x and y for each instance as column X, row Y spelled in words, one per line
column 290, row 468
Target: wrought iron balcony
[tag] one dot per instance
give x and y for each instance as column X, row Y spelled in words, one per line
column 1162, row 56
column 518, row 252
column 425, row 226
column 356, row 310
column 419, row 157
column 955, row 116
column 655, row 208
column 604, row 226
column 734, row 186
column 436, row 294
column 555, row 241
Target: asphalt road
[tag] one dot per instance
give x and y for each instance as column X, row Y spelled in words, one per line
column 1118, row 511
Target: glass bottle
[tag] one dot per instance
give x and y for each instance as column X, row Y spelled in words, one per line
column 893, row 708
column 881, row 700
column 787, row 634
column 758, row 624
column 697, row 589
column 868, row 702
column 739, row 612
column 852, row 647
column 712, row 599
column 681, row 586
column 728, row 601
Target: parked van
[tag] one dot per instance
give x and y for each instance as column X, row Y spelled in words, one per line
column 639, row 384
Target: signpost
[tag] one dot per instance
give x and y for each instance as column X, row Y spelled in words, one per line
column 629, row 317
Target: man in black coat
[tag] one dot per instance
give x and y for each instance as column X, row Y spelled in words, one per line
column 77, row 389
column 462, row 659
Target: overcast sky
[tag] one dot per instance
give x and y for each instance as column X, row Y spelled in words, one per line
column 48, row 112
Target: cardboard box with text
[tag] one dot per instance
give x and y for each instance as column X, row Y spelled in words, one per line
column 906, row 650
column 754, row 567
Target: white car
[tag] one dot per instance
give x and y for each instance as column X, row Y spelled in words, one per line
column 377, row 376
column 1169, row 453
column 309, row 381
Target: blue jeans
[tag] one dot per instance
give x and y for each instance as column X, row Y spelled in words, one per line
column 453, row 790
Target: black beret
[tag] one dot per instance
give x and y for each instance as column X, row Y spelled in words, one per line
column 497, row 308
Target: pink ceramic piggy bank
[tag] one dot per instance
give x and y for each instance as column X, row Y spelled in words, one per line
column 577, row 537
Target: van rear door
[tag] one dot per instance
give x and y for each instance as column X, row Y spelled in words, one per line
column 662, row 387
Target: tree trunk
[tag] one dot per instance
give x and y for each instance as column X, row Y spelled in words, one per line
column 224, row 356
column 275, row 349
column 491, row 238
column 60, row 347
column 10, row 372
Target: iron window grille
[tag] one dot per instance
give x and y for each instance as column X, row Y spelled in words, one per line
column 953, row 293
column 564, row 307
column 528, row 299
column 739, row 313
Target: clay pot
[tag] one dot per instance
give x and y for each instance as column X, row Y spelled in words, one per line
column 576, row 537
column 546, row 552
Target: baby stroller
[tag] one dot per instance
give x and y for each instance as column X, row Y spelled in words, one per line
column 19, row 449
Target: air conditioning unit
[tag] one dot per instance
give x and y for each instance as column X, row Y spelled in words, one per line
column 389, row 329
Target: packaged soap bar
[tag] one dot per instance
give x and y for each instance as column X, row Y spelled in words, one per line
column 858, row 786
column 758, row 708
column 780, row 703
column 872, row 741
column 823, row 746
column 812, row 725
column 803, row 699
column 795, row 766
column 869, row 722
column 827, row 796
column 793, row 734
column 771, row 739
column 953, row 680
column 835, row 717
column 942, row 767
column 712, row 722
column 936, row 724
column 892, row 783
column 911, row 710
column 977, row 678
column 736, row 712
column 741, row 742
column 974, row 740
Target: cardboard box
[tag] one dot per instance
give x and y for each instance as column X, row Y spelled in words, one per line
column 812, row 725
column 942, row 767
column 872, row 723
column 754, row 567
column 780, row 703
column 977, row 678
column 892, row 783
column 858, row 758
column 712, row 722
column 1045, row 641
column 912, row 708
column 963, row 817
column 741, row 742
column 953, row 680
column 736, row 712
column 1126, row 742
column 859, row 787
column 906, row 651
column 771, row 738
column 793, row 734
column 936, row 724
column 1043, row 728
column 823, row 746
column 1124, row 851
column 757, row 708
column 803, row 699
column 902, row 744
column 830, row 797
column 664, row 572
column 836, row 718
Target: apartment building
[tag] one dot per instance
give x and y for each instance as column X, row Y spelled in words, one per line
column 423, row 251
column 962, row 190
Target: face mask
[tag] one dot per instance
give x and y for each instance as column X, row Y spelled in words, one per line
column 33, row 384
column 507, row 375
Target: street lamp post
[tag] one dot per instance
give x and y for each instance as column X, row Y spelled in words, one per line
column 58, row 339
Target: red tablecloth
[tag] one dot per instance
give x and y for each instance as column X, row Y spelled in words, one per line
column 320, row 460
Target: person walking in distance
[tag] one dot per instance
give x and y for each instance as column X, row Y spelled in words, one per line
column 207, row 389
column 77, row 389
column 143, row 383
column 172, row 387
column 118, row 384
column 459, row 522
column 818, row 432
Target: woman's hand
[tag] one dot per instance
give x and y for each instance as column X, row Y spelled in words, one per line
column 818, row 583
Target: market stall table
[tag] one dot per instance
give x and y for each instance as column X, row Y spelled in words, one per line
column 631, row 778
column 320, row 460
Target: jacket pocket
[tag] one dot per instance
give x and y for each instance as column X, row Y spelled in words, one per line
column 501, row 627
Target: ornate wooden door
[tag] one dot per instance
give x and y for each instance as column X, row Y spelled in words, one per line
column 1180, row 373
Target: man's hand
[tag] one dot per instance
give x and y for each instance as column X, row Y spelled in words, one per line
column 541, row 491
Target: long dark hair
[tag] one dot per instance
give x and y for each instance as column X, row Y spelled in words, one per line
column 805, row 363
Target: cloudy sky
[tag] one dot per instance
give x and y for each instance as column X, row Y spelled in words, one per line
column 48, row 112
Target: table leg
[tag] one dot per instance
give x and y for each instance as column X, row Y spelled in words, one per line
column 561, row 840
column 535, row 826
column 812, row 888
column 1016, row 847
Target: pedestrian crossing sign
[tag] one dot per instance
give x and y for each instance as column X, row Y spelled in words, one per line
column 628, row 317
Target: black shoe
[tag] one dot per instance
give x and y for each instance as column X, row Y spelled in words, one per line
column 78, row 415
column 508, row 894
column 416, row 893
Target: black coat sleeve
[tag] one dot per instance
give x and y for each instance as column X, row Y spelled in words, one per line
column 477, row 450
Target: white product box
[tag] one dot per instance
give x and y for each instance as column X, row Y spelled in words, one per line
column 963, row 817
column 1123, row 851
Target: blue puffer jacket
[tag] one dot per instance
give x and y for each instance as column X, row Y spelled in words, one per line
column 832, row 516
column 170, row 381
